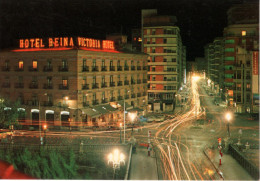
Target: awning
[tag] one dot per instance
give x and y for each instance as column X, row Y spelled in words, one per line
column 91, row 112
column 136, row 109
column 127, row 106
column 102, row 109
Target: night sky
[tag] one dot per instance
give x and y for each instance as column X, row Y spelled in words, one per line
column 200, row 21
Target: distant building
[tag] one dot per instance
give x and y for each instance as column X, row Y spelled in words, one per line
column 79, row 85
column 161, row 40
column 136, row 40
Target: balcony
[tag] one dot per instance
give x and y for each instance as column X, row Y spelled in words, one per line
column 32, row 103
column 103, row 69
column 33, row 85
column 63, row 69
column 19, row 69
column 47, row 103
column 132, row 67
column 138, row 67
column 85, row 86
column 119, row 83
column 138, row 81
column 119, row 98
column 126, row 96
column 126, row 82
column 95, row 102
column 119, row 68
column 6, row 69
column 95, row 86
column 104, row 100
column 6, row 85
column 112, row 68
column 47, row 86
column 144, row 80
column 32, row 69
column 85, row 69
column 63, row 87
column 132, row 95
column 112, row 99
column 95, row 69
column 144, row 67
column 86, row 104
column 103, row 85
column 132, row 82
column 139, row 94
column 126, row 68
column 19, row 85
column 47, row 69
column 112, row 84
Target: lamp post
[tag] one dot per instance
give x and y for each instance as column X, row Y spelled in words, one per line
column 45, row 129
column 70, row 124
column 41, row 141
column 120, row 127
column 228, row 118
column 124, row 116
column 116, row 158
column 132, row 116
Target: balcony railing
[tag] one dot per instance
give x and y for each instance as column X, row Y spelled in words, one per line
column 85, row 69
column 47, row 103
column 126, row 82
column 63, row 87
column 132, row 67
column 119, row 98
column 32, row 103
column 112, row 84
column 95, row 102
column 112, row 68
column 19, row 85
column 47, row 86
column 119, row 68
column 95, row 69
column 85, row 86
column 63, row 69
column 95, row 86
column 104, row 68
column 4, row 68
column 119, row 83
column 104, row 100
column 126, row 68
column 112, row 99
column 18, row 68
column 31, row 68
column 86, row 104
column 104, row 84
column 33, row 85
column 47, row 69
column 6, row 85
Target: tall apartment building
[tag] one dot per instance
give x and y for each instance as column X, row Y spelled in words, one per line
column 241, row 33
column 162, row 41
column 68, row 84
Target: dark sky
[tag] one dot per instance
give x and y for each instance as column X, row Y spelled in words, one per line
column 200, row 21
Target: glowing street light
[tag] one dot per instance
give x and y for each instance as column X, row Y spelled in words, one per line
column 120, row 127
column 228, row 117
column 195, row 78
column 116, row 158
column 44, row 127
column 132, row 117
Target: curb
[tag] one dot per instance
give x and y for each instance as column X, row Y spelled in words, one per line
column 220, row 173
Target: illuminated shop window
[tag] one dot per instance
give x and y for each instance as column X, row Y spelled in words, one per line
column 35, row 64
column 243, row 33
column 20, row 64
column 65, row 82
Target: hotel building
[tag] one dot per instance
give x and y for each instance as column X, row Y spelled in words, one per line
column 77, row 82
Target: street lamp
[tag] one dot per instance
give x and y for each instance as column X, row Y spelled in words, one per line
column 132, row 116
column 45, row 129
column 116, row 158
column 228, row 117
column 40, row 118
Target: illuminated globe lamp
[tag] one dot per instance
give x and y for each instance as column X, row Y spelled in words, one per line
column 116, row 159
column 228, row 117
column 45, row 127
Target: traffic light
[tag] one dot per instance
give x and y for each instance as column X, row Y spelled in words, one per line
column 219, row 141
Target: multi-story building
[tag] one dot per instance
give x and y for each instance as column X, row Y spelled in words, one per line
column 162, row 41
column 77, row 82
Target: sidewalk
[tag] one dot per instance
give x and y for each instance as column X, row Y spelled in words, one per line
column 230, row 168
column 142, row 166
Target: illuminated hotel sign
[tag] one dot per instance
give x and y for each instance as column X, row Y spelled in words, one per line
column 66, row 42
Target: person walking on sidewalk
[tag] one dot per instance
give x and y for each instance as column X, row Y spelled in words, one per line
column 149, row 148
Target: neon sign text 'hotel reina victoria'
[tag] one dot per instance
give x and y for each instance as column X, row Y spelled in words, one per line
column 66, row 42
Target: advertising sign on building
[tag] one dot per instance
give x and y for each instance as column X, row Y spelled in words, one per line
column 255, row 78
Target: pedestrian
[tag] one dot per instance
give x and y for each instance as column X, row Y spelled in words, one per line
column 149, row 148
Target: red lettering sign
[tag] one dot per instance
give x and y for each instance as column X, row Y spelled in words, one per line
column 255, row 63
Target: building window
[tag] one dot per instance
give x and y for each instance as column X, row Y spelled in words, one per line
column 148, row 31
column 153, row 32
column 94, row 63
column 7, row 64
column 34, row 64
column 49, row 64
column 153, row 58
column 64, row 63
column 153, row 78
column 103, row 63
column 20, row 64
column 173, row 59
column 153, row 50
column 153, row 69
column 84, row 62
column 153, row 40
column 164, row 40
column 64, row 82
column 243, row 33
